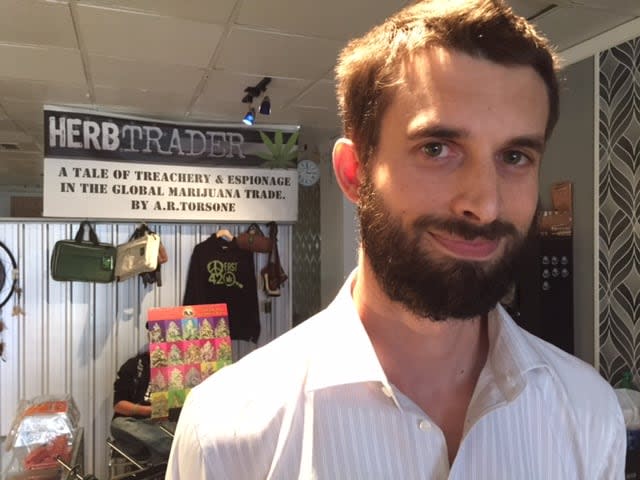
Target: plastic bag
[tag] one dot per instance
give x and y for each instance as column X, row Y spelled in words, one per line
column 43, row 428
column 629, row 401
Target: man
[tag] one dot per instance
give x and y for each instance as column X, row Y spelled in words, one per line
column 131, row 426
column 415, row 371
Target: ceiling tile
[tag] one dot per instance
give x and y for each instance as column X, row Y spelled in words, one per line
column 570, row 25
column 233, row 112
column 25, row 162
column 318, row 117
column 28, row 115
column 118, row 72
column 147, row 57
column 322, row 94
column 6, row 124
column 215, row 118
column 219, row 111
column 281, row 117
column 36, row 22
column 38, row 63
column 308, row 117
column 27, row 157
column 14, row 136
column 198, row 10
column 14, row 166
column 148, row 37
column 220, row 84
column 142, row 102
column 20, row 173
column 618, row 7
column 336, row 19
column 45, row 92
column 37, row 136
column 277, row 55
column 30, row 147
column 529, row 8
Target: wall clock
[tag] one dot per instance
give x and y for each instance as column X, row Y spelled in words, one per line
column 308, row 173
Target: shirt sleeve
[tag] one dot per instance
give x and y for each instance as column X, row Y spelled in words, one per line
column 613, row 467
column 122, row 387
column 187, row 460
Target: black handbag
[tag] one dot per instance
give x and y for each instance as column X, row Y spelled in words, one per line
column 273, row 274
column 254, row 240
column 83, row 260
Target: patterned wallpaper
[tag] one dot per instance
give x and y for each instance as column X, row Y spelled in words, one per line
column 306, row 250
column 619, row 211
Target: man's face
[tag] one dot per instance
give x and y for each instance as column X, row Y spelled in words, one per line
column 448, row 199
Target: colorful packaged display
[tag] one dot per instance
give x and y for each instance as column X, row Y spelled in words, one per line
column 187, row 344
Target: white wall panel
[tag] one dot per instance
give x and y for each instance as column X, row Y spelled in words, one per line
column 74, row 336
column 11, row 386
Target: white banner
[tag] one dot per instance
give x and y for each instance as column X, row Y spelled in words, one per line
column 78, row 188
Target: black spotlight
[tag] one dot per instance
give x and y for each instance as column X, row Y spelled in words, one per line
column 255, row 92
column 265, row 106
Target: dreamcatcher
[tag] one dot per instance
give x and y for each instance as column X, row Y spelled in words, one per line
column 8, row 286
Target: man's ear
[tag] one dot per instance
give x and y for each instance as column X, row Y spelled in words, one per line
column 346, row 165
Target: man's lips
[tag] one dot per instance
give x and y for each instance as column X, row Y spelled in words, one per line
column 477, row 249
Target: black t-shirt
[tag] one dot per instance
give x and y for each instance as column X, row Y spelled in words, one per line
column 132, row 382
column 222, row 272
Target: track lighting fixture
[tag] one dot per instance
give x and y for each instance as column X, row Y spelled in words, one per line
column 255, row 92
column 265, row 106
column 250, row 117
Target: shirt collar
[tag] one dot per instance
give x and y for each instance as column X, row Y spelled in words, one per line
column 512, row 353
column 345, row 354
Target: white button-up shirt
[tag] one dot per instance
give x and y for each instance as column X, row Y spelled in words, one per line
column 316, row 404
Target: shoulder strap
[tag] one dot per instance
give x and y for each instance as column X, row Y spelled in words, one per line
column 140, row 231
column 273, row 235
column 93, row 238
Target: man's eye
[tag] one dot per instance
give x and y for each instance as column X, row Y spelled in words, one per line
column 435, row 149
column 514, row 157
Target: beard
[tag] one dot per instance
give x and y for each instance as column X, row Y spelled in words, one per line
column 437, row 288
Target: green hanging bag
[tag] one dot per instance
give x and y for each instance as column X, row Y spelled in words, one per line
column 82, row 260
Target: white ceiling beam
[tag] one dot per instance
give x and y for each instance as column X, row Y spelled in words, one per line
column 599, row 43
column 619, row 7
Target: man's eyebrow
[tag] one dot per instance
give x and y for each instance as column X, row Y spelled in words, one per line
column 437, row 131
column 534, row 142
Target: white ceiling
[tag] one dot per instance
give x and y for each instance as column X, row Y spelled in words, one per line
column 190, row 60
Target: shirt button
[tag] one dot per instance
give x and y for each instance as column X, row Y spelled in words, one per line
column 424, row 425
column 387, row 391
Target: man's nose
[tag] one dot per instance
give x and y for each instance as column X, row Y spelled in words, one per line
column 477, row 194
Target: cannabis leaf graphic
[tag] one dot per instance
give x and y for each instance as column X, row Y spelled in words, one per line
column 280, row 155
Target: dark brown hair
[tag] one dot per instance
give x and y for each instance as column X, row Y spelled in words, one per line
column 370, row 67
